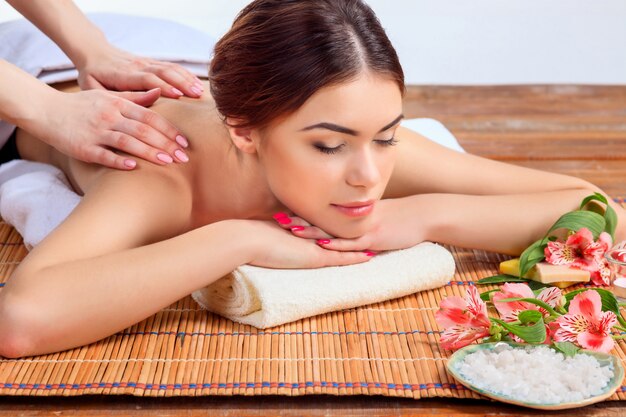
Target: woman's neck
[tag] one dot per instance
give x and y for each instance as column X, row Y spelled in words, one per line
column 233, row 183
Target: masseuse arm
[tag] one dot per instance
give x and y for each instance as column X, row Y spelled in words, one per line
column 84, row 125
column 124, row 254
column 101, row 65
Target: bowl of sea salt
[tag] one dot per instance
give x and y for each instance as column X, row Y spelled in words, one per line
column 536, row 376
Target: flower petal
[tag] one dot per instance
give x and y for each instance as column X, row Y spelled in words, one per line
column 558, row 253
column 477, row 308
column 456, row 337
column 587, row 304
column 452, row 311
column 596, row 342
column 581, row 239
column 551, row 296
column 513, row 290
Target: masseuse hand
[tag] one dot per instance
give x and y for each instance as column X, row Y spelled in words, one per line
column 393, row 228
column 86, row 124
column 114, row 69
column 277, row 248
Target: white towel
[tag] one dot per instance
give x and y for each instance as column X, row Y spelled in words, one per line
column 264, row 297
column 34, row 198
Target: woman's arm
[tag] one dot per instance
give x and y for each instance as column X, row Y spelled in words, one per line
column 424, row 166
column 486, row 191
column 499, row 223
column 125, row 253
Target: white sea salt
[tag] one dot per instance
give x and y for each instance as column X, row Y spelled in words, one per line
column 536, row 374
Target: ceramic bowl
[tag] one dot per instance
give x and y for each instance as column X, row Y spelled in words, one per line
column 603, row 358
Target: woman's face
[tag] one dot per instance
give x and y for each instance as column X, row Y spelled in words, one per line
column 335, row 151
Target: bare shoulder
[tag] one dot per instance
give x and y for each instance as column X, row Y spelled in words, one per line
column 424, row 166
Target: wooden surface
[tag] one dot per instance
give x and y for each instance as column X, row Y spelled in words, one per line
column 575, row 130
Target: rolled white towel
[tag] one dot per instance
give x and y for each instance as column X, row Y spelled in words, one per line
column 265, row 297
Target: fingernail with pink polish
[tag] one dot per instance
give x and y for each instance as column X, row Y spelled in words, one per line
column 196, row 90
column 297, row 228
column 180, row 139
column 165, row 158
column 369, row 253
column 280, row 215
column 177, row 91
column 323, row 241
column 129, row 163
column 284, row 220
column 182, row 156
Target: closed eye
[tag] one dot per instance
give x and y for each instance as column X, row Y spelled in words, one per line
column 330, row 151
column 388, row 142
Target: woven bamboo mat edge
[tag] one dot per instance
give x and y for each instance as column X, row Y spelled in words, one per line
column 388, row 348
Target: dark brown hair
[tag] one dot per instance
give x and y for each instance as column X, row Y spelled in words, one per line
column 278, row 53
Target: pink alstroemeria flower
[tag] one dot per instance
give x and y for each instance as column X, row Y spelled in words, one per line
column 586, row 324
column 464, row 321
column 510, row 309
column 580, row 251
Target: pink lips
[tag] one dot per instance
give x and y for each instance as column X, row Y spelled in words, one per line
column 353, row 210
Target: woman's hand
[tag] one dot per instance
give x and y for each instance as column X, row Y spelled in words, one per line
column 396, row 226
column 113, row 69
column 277, row 248
column 86, row 124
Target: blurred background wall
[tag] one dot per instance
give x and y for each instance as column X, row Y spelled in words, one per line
column 457, row 42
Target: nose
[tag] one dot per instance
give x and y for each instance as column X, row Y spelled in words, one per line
column 363, row 170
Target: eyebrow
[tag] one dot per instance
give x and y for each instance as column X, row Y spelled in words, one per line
column 346, row 130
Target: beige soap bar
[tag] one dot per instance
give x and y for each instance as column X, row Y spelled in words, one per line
column 548, row 273
column 558, row 275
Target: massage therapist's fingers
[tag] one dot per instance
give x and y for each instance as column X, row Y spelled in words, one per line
column 147, row 80
column 168, row 137
column 102, row 156
column 142, row 98
column 147, row 143
column 89, row 83
column 178, row 78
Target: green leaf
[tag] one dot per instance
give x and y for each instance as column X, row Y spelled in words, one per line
column 485, row 296
column 532, row 255
column 568, row 348
column 609, row 302
column 529, row 316
column 609, row 214
column 499, row 279
column 534, row 301
column 537, row 286
column 574, row 220
column 535, row 333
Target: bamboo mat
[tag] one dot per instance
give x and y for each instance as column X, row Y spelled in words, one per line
column 389, row 348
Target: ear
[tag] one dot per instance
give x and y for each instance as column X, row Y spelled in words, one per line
column 243, row 138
